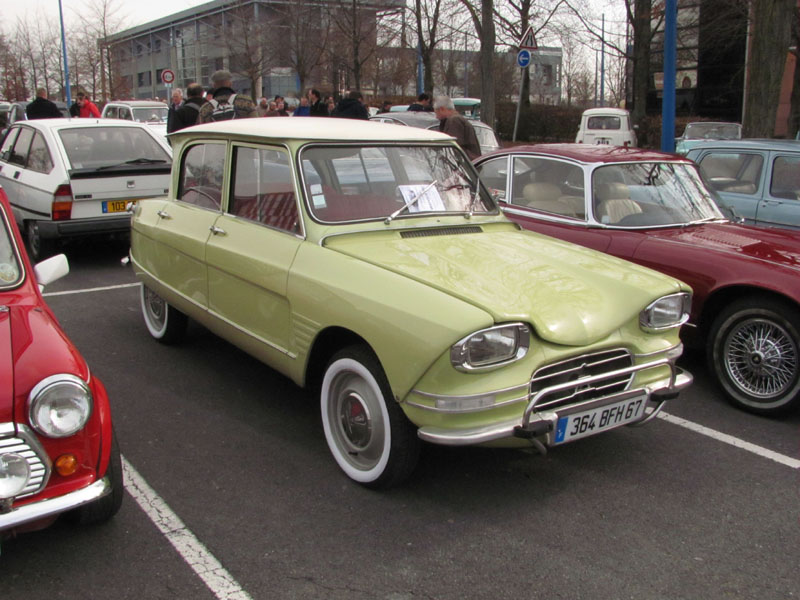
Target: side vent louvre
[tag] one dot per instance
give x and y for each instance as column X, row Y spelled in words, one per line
column 441, row 231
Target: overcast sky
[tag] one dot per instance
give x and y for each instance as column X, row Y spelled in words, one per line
column 135, row 12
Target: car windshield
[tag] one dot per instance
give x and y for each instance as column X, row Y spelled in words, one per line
column 10, row 271
column 153, row 114
column 95, row 147
column 351, row 183
column 713, row 131
column 487, row 139
column 648, row 194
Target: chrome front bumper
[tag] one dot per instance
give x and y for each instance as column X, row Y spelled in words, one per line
column 28, row 513
column 534, row 425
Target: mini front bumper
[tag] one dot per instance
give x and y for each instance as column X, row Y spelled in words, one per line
column 534, row 424
column 36, row 511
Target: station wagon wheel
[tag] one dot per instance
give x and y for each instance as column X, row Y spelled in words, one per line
column 754, row 351
column 367, row 432
column 38, row 248
column 164, row 322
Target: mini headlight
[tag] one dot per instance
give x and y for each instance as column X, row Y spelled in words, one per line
column 14, row 474
column 492, row 347
column 666, row 312
column 59, row 405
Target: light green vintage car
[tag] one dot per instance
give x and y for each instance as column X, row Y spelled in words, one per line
column 366, row 261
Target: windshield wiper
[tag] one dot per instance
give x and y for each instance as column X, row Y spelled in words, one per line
column 412, row 202
column 134, row 161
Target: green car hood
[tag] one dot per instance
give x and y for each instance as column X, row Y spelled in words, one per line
column 571, row 295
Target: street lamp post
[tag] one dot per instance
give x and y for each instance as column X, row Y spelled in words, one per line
column 64, row 52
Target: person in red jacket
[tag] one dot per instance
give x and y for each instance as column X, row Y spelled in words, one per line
column 87, row 108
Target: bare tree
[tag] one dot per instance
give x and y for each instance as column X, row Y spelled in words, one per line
column 769, row 43
column 482, row 16
column 354, row 34
column 303, row 39
column 12, row 71
column 794, row 111
column 102, row 19
column 246, row 30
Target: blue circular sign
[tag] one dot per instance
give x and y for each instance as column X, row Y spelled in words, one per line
column 524, row 58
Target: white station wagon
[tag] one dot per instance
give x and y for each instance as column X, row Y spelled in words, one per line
column 74, row 177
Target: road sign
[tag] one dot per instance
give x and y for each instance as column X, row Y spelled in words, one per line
column 528, row 40
column 167, row 76
column 524, row 58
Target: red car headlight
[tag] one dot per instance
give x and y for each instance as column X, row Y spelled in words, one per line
column 59, row 405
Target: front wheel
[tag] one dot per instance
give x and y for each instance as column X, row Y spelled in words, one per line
column 367, row 432
column 102, row 509
column 164, row 322
column 754, row 352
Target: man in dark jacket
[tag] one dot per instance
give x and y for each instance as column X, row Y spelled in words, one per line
column 177, row 102
column 423, row 104
column 316, row 107
column 189, row 111
column 453, row 123
column 42, row 108
column 351, row 107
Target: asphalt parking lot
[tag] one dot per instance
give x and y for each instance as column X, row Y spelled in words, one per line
column 232, row 492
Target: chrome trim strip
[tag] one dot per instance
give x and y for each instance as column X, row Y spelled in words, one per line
column 522, row 386
column 669, row 352
column 217, row 315
column 54, row 506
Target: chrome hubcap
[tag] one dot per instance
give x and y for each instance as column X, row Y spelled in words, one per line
column 357, row 432
column 761, row 358
column 156, row 307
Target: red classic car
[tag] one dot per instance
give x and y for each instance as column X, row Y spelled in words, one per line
column 655, row 209
column 57, row 448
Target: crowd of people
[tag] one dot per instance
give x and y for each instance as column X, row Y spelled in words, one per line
column 222, row 102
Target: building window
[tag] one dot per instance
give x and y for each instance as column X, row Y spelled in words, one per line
column 144, row 79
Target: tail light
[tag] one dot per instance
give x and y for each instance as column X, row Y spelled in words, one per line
column 62, row 203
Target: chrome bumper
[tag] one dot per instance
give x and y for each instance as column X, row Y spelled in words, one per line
column 538, row 424
column 28, row 513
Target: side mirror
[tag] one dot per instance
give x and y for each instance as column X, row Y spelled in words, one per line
column 50, row 270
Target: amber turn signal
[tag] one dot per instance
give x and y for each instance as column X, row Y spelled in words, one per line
column 66, row 464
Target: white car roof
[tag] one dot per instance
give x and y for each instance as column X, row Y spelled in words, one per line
column 138, row 103
column 590, row 112
column 72, row 123
column 316, row 128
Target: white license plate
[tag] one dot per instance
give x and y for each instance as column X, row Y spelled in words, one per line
column 604, row 141
column 603, row 418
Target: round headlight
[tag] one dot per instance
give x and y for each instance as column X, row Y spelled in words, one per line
column 14, row 474
column 59, row 405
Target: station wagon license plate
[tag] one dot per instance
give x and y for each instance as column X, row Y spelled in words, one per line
column 588, row 422
column 116, row 206
column 604, row 141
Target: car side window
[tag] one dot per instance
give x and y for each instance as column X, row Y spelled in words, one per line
column 39, row 156
column 786, row 178
column 493, row 175
column 202, row 174
column 737, row 172
column 8, row 144
column 550, row 186
column 19, row 154
column 263, row 188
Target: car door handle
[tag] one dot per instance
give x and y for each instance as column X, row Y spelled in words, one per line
column 217, row 230
column 16, row 175
column 163, row 214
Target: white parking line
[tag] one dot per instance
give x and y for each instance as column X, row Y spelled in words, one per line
column 196, row 555
column 97, row 289
column 733, row 441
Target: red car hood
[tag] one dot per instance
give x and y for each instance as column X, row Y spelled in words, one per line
column 32, row 347
column 772, row 245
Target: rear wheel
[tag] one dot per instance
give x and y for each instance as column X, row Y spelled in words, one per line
column 754, row 351
column 38, row 248
column 164, row 322
column 367, row 432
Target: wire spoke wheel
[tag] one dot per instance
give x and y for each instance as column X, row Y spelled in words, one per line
column 761, row 357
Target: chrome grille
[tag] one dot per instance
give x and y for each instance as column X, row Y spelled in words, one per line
column 25, row 444
column 440, row 231
column 573, row 369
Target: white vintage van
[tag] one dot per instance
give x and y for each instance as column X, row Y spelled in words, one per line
column 610, row 126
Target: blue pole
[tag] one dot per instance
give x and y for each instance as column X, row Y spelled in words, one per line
column 668, row 103
column 603, row 63
column 64, row 52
